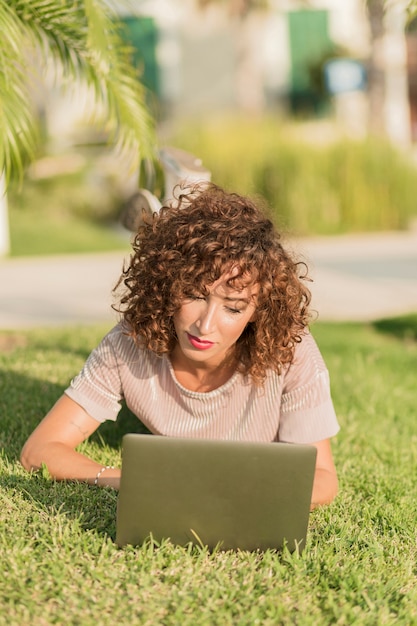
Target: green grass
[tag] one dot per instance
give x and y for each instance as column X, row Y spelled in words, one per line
column 404, row 327
column 62, row 214
column 58, row 561
column 47, row 234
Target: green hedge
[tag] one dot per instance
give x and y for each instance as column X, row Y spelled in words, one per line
column 316, row 187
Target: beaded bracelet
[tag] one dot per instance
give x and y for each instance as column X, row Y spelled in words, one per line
column 103, row 469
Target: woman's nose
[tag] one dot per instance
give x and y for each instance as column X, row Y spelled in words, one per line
column 207, row 319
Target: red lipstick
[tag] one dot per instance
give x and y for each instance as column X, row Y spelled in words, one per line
column 199, row 344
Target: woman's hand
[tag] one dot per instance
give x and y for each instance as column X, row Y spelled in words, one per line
column 325, row 484
column 54, row 441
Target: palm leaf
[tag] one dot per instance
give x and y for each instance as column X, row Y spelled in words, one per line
column 81, row 39
column 17, row 132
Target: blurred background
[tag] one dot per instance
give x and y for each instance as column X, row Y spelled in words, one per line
column 311, row 105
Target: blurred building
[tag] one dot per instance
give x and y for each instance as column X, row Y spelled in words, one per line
column 320, row 61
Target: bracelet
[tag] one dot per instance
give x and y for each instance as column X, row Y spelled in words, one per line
column 103, row 469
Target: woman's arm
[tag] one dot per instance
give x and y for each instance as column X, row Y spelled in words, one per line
column 54, row 441
column 325, row 484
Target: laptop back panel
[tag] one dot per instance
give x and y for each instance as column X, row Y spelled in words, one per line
column 223, row 494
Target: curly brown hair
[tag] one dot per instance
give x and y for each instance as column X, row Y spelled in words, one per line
column 187, row 247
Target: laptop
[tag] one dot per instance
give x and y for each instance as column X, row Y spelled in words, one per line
column 220, row 494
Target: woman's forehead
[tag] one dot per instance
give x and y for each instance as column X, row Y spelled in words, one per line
column 233, row 282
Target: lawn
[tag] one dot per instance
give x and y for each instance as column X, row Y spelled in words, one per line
column 66, row 213
column 58, row 561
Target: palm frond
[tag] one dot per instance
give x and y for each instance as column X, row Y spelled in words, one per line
column 18, row 133
column 118, row 79
column 82, row 40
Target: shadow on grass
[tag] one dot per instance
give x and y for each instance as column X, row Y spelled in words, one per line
column 403, row 327
column 25, row 400
column 85, row 507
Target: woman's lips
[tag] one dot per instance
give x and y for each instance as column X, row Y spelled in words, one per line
column 200, row 344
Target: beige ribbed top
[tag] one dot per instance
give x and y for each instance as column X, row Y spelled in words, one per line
column 294, row 407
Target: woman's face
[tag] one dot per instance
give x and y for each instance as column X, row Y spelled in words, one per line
column 208, row 327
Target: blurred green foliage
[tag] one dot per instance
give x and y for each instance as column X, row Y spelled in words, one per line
column 65, row 213
column 403, row 327
column 312, row 184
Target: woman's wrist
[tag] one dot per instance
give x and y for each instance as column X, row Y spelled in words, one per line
column 100, row 473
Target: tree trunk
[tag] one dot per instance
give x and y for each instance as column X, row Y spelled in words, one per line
column 4, row 219
column 249, row 84
column 376, row 70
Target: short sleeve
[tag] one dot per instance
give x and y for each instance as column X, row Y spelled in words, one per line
column 307, row 411
column 98, row 388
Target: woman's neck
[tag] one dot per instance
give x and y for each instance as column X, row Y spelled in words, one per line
column 201, row 377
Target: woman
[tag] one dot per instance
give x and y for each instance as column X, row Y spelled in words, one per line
column 213, row 342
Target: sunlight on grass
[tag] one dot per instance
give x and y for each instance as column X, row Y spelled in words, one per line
column 46, row 234
column 359, row 565
column 66, row 213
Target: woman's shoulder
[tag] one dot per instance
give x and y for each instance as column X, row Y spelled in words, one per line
column 308, row 350
column 125, row 348
column 119, row 336
column 119, row 331
column 120, row 341
column 307, row 363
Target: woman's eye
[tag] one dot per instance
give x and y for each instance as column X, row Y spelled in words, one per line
column 233, row 311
